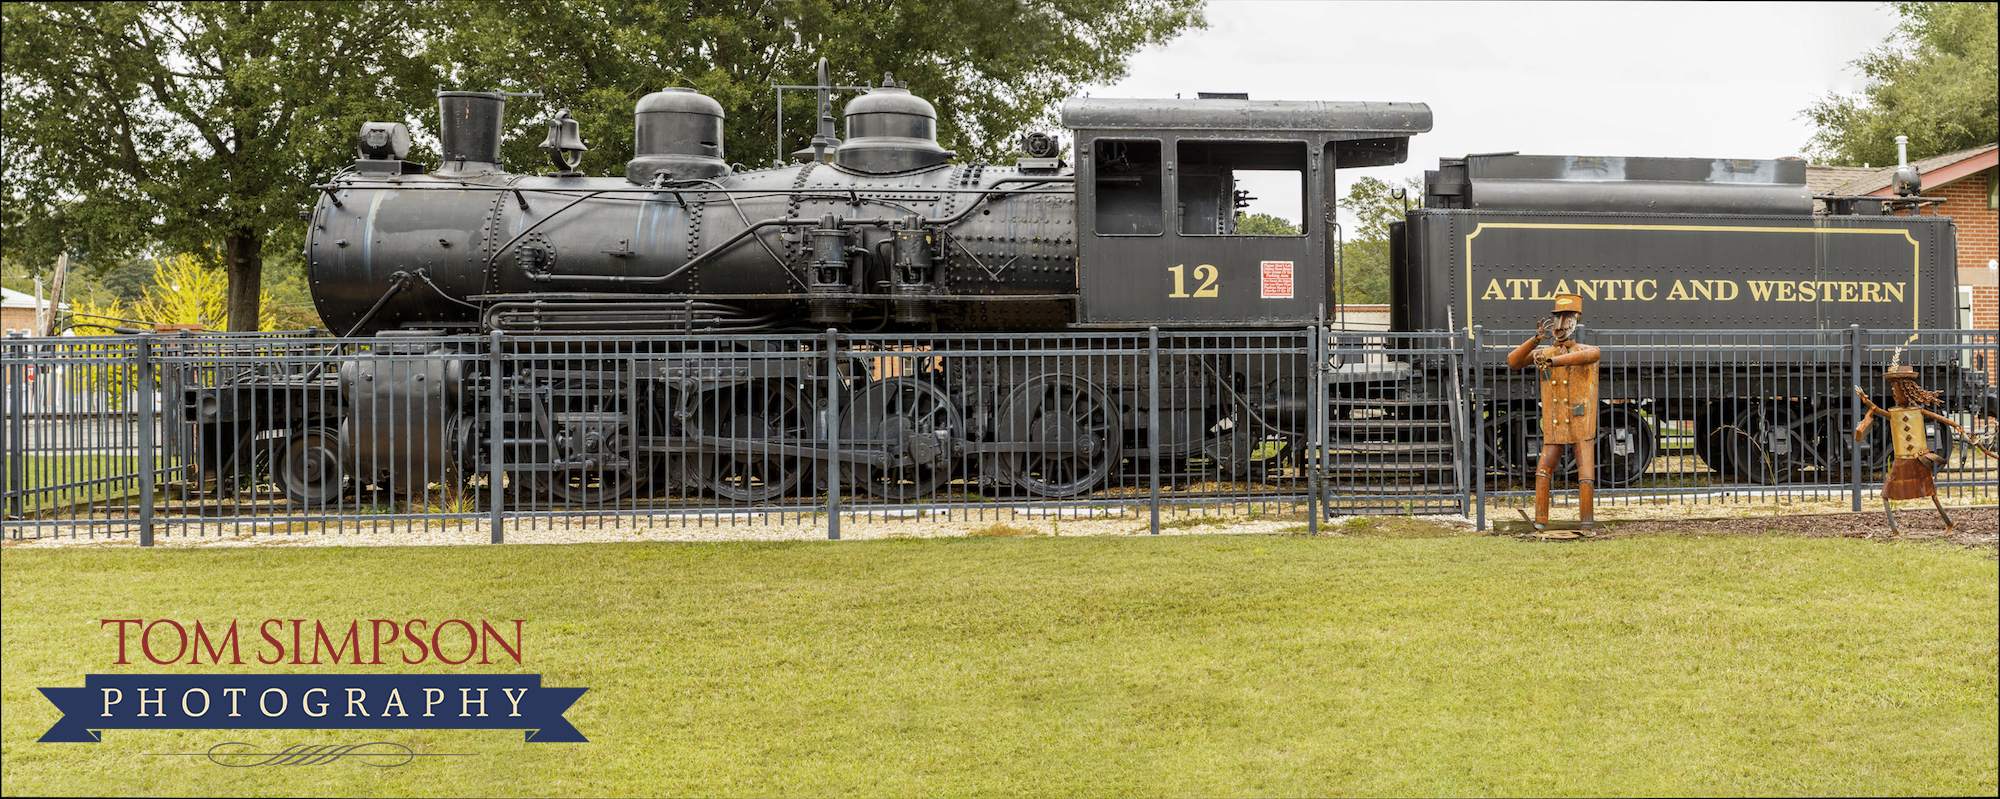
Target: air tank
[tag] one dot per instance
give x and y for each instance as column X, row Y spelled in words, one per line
column 678, row 133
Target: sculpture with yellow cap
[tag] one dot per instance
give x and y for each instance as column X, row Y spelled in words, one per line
column 1567, row 372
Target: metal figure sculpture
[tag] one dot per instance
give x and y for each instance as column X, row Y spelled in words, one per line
column 1910, row 476
column 1568, row 374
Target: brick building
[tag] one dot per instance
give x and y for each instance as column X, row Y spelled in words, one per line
column 1969, row 181
column 17, row 311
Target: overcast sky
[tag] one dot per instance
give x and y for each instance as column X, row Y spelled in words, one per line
column 1707, row 80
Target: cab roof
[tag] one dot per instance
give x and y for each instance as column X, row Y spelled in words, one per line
column 1356, row 119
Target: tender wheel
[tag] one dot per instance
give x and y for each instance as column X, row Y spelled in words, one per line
column 1709, row 418
column 1072, row 413
column 913, row 422
column 1517, row 443
column 1941, row 441
column 1761, row 441
column 309, row 470
column 1877, row 449
column 757, row 418
column 1626, row 445
column 1833, row 446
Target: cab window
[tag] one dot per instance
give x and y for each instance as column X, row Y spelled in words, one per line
column 1130, row 196
column 1241, row 188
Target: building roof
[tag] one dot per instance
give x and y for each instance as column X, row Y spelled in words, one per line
column 1824, row 179
column 1936, row 170
column 16, row 299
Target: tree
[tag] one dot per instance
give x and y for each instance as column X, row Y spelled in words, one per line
column 1936, row 80
column 200, row 126
column 992, row 68
column 1264, row 225
column 1364, row 255
column 195, row 127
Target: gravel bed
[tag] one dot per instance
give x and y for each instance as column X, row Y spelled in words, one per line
column 1977, row 525
column 719, row 527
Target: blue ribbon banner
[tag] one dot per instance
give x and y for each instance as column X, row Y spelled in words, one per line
column 312, row 702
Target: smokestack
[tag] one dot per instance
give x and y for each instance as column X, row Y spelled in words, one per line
column 469, row 125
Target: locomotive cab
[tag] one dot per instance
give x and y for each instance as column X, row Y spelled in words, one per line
column 1159, row 185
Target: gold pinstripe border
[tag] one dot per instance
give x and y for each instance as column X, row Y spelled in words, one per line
column 1916, row 250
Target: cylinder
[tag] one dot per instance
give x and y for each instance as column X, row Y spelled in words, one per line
column 828, row 276
column 677, row 132
column 913, row 276
column 469, row 130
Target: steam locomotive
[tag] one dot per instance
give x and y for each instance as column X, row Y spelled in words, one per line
column 884, row 231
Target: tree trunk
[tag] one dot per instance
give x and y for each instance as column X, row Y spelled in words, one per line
column 244, row 255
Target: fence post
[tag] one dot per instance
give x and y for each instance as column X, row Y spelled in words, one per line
column 832, row 434
column 1854, row 402
column 496, row 450
column 1476, row 415
column 146, row 459
column 1316, row 411
column 1153, row 421
column 17, row 428
column 1319, row 395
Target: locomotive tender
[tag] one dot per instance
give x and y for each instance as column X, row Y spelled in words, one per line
column 1679, row 248
column 884, row 231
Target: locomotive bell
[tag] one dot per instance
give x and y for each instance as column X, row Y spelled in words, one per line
column 890, row 130
column 677, row 132
column 565, row 144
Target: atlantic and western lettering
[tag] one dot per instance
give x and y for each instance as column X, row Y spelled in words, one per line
column 1721, row 290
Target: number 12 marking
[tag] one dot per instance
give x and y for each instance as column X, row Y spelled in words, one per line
column 1206, row 273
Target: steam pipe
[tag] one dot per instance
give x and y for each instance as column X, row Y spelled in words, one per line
column 761, row 224
column 697, row 260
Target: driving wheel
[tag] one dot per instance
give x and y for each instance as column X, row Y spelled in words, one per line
column 1079, row 422
column 912, row 423
column 596, row 484
column 758, row 419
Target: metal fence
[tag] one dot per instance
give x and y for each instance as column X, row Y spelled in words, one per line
column 1735, row 417
column 230, row 435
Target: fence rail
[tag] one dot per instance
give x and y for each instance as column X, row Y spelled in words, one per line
column 125, row 436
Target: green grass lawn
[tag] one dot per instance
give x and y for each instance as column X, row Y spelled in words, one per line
column 89, row 477
column 1368, row 664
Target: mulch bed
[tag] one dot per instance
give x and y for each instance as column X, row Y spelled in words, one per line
column 1976, row 526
